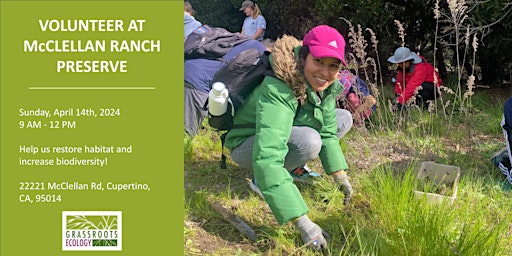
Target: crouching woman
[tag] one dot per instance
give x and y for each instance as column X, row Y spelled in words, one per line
column 295, row 120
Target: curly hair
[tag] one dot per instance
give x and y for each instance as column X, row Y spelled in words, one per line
column 288, row 68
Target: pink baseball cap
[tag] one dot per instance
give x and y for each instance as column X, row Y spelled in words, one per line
column 324, row 41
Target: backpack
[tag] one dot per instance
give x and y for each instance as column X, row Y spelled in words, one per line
column 211, row 42
column 240, row 75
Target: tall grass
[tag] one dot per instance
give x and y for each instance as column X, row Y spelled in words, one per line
column 408, row 226
column 454, row 98
column 385, row 217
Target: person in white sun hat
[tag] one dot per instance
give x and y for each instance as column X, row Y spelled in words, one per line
column 414, row 71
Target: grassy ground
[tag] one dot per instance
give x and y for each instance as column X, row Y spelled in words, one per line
column 384, row 217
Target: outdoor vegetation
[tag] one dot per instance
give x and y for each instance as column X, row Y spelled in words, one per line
column 466, row 41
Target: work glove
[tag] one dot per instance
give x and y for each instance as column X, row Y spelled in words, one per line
column 341, row 179
column 312, row 235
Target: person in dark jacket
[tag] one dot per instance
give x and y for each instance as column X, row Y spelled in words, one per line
column 295, row 120
column 198, row 74
column 415, row 77
column 503, row 158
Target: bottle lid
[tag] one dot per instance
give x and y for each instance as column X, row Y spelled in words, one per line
column 218, row 86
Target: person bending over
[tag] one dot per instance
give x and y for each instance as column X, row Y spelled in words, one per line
column 415, row 77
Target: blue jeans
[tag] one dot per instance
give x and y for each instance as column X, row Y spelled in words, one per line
column 304, row 144
column 194, row 112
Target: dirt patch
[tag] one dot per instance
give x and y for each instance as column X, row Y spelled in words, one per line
column 201, row 242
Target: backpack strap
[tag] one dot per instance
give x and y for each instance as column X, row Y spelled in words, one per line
column 223, row 157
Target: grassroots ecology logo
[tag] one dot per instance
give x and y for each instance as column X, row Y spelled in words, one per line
column 92, row 231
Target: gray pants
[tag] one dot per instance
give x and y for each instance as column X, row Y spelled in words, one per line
column 194, row 113
column 304, row 144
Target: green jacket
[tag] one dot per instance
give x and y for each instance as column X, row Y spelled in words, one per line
column 272, row 107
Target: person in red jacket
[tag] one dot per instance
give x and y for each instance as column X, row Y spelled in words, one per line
column 413, row 72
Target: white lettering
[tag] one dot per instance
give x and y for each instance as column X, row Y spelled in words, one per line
column 81, row 25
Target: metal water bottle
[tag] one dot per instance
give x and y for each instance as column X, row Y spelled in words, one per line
column 218, row 99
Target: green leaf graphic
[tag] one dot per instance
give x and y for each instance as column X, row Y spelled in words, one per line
column 107, row 222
